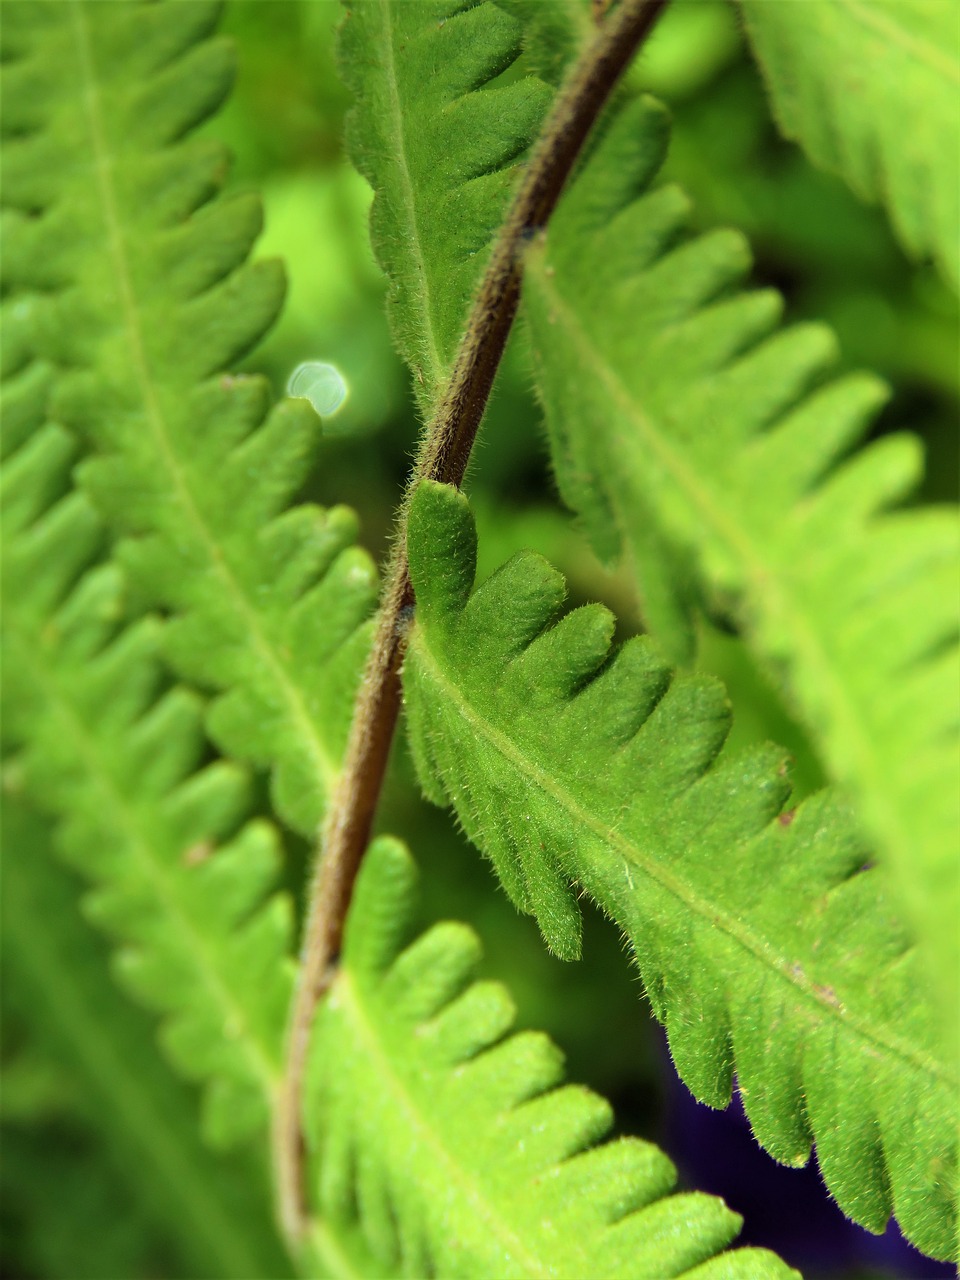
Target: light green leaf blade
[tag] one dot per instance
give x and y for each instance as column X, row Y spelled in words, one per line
column 438, row 143
column 129, row 282
column 450, row 1141
column 871, row 90
column 705, row 443
column 180, row 881
column 55, row 972
column 764, row 945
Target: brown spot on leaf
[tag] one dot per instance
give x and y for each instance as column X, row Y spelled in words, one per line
column 828, row 995
column 197, row 853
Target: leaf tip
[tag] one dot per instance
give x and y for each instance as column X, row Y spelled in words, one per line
column 441, row 547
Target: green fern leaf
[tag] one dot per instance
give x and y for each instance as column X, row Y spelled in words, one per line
column 131, row 285
column 437, row 142
column 552, row 34
column 870, row 91
column 697, row 438
column 763, row 945
column 212, row 1207
column 450, row 1140
column 113, row 753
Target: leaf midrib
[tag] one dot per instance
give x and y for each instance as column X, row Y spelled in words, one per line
column 325, row 760
column 451, row 695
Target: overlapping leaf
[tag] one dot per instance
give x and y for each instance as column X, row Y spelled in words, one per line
column 871, row 90
column 697, row 438
column 214, row 1208
column 413, row 1066
column 765, row 946
column 437, row 142
column 179, row 880
column 131, row 283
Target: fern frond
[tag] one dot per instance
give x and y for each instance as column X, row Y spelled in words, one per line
column 437, row 142
column 134, row 288
column 55, row 971
column 764, row 946
column 870, row 91
column 449, row 1140
column 695, row 436
column 117, row 756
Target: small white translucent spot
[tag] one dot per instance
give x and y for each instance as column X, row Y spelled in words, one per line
column 320, row 383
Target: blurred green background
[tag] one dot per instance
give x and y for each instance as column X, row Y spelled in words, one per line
column 833, row 258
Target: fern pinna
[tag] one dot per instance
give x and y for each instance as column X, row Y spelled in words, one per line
column 412, row 1054
column 206, row 1211
column 715, row 457
column 152, row 300
column 751, row 924
column 175, row 624
column 117, row 754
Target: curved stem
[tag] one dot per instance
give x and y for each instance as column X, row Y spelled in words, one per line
column 443, row 455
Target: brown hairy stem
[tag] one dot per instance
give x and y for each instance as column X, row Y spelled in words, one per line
column 443, row 455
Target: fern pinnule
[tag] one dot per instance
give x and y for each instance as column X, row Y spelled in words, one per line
column 449, row 1141
column 438, row 143
column 105, row 745
column 703, row 443
column 764, row 946
column 151, row 300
